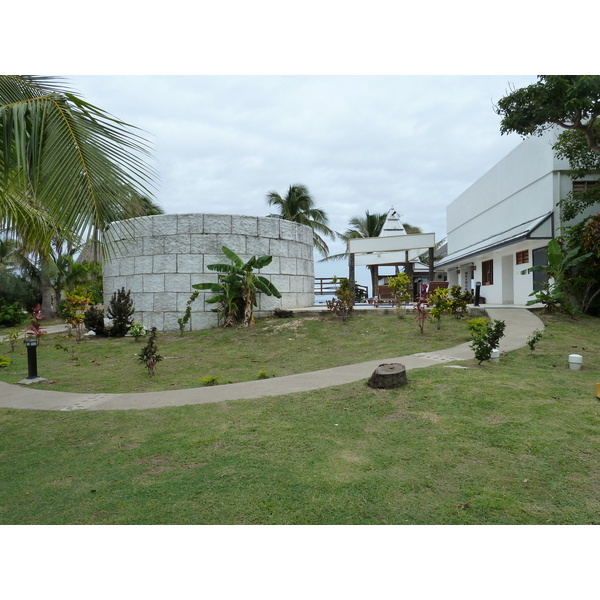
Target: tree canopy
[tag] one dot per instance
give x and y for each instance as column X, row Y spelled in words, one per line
column 298, row 206
column 66, row 166
column 568, row 101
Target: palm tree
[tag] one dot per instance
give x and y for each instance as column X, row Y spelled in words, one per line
column 298, row 206
column 360, row 227
column 66, row 166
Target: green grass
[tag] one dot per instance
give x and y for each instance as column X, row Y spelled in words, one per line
column 277, row 346
column 507, row 443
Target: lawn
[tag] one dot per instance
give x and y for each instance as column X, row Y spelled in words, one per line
column 507, row 443
column 276, row 346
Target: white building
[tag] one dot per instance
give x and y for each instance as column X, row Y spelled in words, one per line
column 501, row 225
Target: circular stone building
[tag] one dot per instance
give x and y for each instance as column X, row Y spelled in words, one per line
column 158, row 258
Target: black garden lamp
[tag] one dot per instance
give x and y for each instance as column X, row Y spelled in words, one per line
column 477, row 290
column 31, row 344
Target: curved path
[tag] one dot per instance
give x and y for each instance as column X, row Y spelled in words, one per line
column 519, row 325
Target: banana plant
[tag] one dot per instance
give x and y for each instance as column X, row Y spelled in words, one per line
column 237, row 286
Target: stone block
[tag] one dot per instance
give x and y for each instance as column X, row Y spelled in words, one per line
column 279, row 248
column 203, row 320
column 204, row 243
column 193, row 223
column 134, row 283
column 287, row 266
column 242, row 225
column 217, row 223
column 288, row 230
column 274, row 268
column 164, row 263
column 153, row 319
column 190, row 263
column 257, row 246
column 178, row 282
column 153, row 283
column 143, row 264
column 142, row 302
column 153, row 245
column 126, row 266
column 178, row 244
column 234, row 242
column 268, row 227
column 165, row 301
column 164, row 225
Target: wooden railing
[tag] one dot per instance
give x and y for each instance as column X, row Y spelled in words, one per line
column 324, row 286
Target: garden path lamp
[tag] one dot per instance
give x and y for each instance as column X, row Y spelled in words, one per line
column 31, row 344
column 477, row 291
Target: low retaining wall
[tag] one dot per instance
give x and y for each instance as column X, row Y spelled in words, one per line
column 169, row 253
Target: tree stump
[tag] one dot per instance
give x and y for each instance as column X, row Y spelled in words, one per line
column 388, row 375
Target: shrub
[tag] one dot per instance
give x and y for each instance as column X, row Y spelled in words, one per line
column 343, row 303
column 138, row 331
column 477, row 325
column 262, row 375
column 11, row 338
column 534, row 338
column 210, row 379
column 487, row 340
column 440, row 304
column 120, row 310
column 11, row 314
column 149, row 355
column 35, row 327
column 75, row 309
column 93, row 319
column 4, row 362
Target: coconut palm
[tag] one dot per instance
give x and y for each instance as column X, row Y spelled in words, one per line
column 66, row 166
column 298, row 206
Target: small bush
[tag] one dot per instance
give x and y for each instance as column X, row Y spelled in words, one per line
column 149, row 355
column 4, row 362
column 487, row 340
column 477, row 325
column 210, row 379
column 120, row 310
column 262, row 375
column 534, row 338
column 11, row 315
column 11, row 338
column 138, row 331
column 94, row 320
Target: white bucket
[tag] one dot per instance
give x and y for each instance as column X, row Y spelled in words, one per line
column 575, row 361
column 495, row 357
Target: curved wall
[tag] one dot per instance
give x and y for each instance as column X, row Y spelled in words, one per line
column 169, row 253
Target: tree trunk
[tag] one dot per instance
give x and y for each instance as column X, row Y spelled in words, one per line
column 47, row 309
column 388, row 375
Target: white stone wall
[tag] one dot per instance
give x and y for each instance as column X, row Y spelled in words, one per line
column 160, row 257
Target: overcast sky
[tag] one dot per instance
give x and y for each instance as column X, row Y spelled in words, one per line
column 221, row 143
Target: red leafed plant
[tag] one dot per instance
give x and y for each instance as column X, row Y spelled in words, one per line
column 35, row 327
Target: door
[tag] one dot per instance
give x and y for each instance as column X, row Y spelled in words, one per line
column 539, row 257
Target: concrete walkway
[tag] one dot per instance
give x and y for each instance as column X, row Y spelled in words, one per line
column 519, row 325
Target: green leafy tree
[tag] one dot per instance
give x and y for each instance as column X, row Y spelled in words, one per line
column 298, row 206
column 237, row 287
column 65, row 165
column 571, row 102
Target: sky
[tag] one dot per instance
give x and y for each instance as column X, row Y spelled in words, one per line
column 221, row 143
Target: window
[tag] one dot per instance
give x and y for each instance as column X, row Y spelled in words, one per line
column 523, row 257
column 582, row 186
column 487, row 268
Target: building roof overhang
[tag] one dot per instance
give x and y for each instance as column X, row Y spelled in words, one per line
column 539, row 228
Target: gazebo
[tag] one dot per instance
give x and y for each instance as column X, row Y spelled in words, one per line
column 393, row 247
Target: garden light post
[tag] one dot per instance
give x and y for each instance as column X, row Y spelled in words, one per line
column 477, row 290
column 31, row 344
